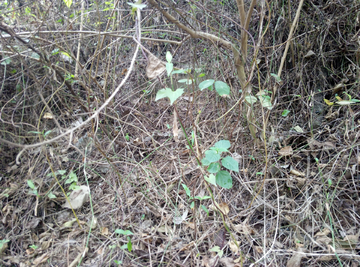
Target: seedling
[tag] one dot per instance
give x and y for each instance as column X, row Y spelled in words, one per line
column 188, row 193
column 212, row 160
column 128, row 245
column 33, row 188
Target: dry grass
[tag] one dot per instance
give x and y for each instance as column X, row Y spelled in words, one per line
column 300, row 209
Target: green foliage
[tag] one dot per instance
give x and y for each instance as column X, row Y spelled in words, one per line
column 167, row 92
column 33, row 188
column 285, row 112
column 220, row 87
column 128, row 245
column 68, row 3
column 188, row 193
column 212, row 157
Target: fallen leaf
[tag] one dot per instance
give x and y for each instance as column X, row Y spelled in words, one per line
column 154, row 67
column 104, row 231
column 48, row 116
column 233, row 247
column 295, row 260
column 43, row 258
column 78, row 197
column 286, row 151
column 224, row 208
column 297, row 173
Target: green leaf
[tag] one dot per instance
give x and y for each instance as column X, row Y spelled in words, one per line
column 205, row 162
column 68, row 3
column 204, row 197
column 3, row 242
column 187, row 190
column 222, row 88
column 265, row 101
column 201, row 75
column 187, row 81
column 172, row 95
column 285, row 112
column 181, row 71
column 224, row 144
column 211, row 179
column 72, row 178
column 129, row 245
column 51, row 195
column 211, row 156
column 251, row 99
column 6, row 61
column 134, row 5
column 214, row 167
column 47, row 132
column 223, row 179
column 277, row 78
column 215, row 249
column 168, row 57
column 205, row 209
column 122, row 232
column 169, row 68
column 230, row 164
column 31, row 184
column 206, row 84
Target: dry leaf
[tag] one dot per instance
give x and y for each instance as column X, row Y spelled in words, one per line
column 224, row 208
column 155, row 67
column 233, row 247
column 228, row 262
column 297, row 173
column 295, row 260
column 286, row 151
column 43, row 258
column 78, row 197
column 104, row 231
column 48, row 116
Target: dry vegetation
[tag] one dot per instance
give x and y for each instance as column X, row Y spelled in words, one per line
column 76, row 102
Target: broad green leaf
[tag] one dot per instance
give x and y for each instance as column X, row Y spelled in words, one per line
column 68, row 3
column 172, row 95
column 169, row 68
column 251, row 99
column 187, row 81
column 230, row 164
column 122, row 232
column 214, row 167
column 285, row 112
column 168, row 57
column 211, row 156
column 211, row 179
column 222, row 88
column 181, row 71
column 206, row 84
column 31, row 184
column 35, row 55
column 265, row 101
column 51, row 195
column 219, row 150
column 187, row 190
column 225, row 144
column 215, row 249
column 223, row 179
column 205, row 162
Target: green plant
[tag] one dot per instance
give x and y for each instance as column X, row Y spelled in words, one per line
column 217, row 249
column 33, row 188
column 128, row 245
column 188, row 193
column 43, row 133
column 212, row 160
column 34, row 247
